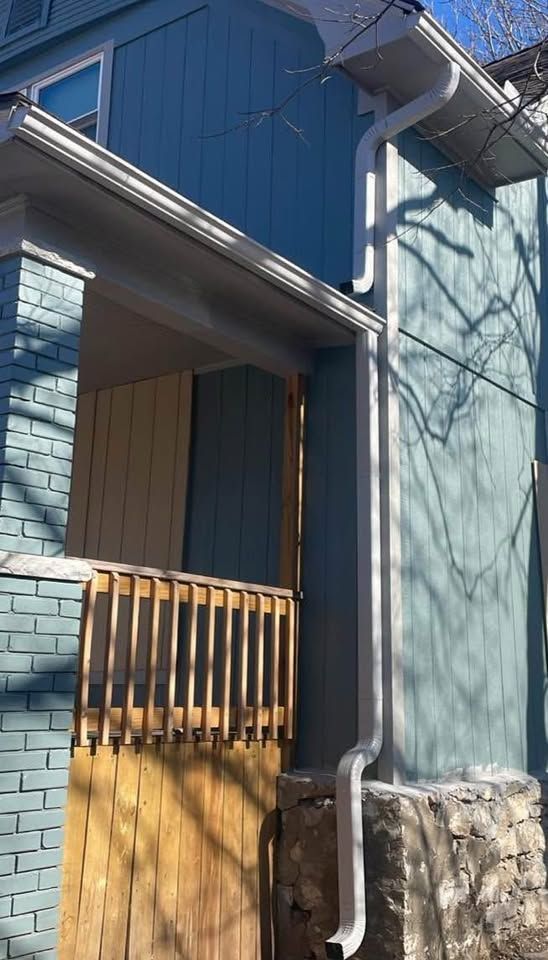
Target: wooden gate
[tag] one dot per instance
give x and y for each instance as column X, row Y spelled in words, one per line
column 172, row 792
column 168, row 852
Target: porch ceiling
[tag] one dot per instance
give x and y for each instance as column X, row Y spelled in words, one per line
column 137, row 348
column 161, row 256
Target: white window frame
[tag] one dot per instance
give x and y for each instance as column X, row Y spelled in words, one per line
column 102, row 55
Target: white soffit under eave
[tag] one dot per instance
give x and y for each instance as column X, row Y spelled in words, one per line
column 403, row 54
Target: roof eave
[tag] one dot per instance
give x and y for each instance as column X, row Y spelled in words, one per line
column 24, row 122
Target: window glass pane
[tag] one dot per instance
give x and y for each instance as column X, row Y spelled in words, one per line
column 73, row 96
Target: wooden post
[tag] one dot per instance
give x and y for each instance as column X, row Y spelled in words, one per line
column 291, row 530
column 290, row 533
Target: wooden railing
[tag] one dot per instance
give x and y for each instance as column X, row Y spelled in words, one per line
column 169, row 655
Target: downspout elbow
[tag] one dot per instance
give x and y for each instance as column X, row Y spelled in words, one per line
column 366, row 160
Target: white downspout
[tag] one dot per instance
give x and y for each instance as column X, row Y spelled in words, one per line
column 351, row 869
column 366, row 154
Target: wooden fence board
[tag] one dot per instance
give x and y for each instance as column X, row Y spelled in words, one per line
column 75, row 842
column 188, row 915
column 164, row 847
column 95, row 866
column 122, row 845
column 141, row 925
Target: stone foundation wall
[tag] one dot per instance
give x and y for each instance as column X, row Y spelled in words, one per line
column 451, row 867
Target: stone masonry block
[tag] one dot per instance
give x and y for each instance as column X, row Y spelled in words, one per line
column 437, row 882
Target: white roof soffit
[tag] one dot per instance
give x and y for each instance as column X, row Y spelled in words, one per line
column 402, row 53
column 49, row 162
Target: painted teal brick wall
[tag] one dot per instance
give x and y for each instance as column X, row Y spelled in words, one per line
column 474, row 314
column 40, row 317
column 37, row 680
column 39, row 619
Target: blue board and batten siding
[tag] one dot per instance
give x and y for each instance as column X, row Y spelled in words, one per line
column 187, row 76
column 473, row 313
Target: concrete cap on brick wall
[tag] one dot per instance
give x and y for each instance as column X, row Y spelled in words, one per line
column 69, row 569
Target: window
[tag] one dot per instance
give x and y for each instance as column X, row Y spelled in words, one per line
column 78, row 93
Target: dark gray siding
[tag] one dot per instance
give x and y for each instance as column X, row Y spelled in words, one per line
column 234, row 503
column 327, row 656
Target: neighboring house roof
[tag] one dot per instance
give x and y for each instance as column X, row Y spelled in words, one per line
column 479, row 127
column 527, row 70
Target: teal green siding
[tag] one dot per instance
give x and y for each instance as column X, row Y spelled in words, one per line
column 473, row 315
column 234, row 505
column 186, row 78
column 327, row 650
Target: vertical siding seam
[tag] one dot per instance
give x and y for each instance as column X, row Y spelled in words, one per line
column 498, row 593
column 466, row 597
column 174, row 470
column 204, row 86
column 272, row 141
column 86, row 522
column 149, row 484
column 180, row 159
column 248, row 130
column 270, row 493
column 478, row 456
column 244, row 470
column 227, row 74
column 203, row 100
column 525, row 554
column 100, row 523
column 325, row 570
column 220, row 405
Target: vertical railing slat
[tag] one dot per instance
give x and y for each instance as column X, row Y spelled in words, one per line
column 259, row 667
column 152, row 663
column 207, row 696
column 244, row 662
column 82, row 696
column 274, row 669
column 190, row 679
column 290, row 631
column 172, row 663
column 131, row 660
column 224, row 721
column 110, row 652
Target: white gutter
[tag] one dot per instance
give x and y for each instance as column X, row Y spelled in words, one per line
column 365, row 186
column 27, row 123
column 350, row 846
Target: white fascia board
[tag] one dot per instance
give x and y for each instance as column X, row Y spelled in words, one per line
column 27, row 123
